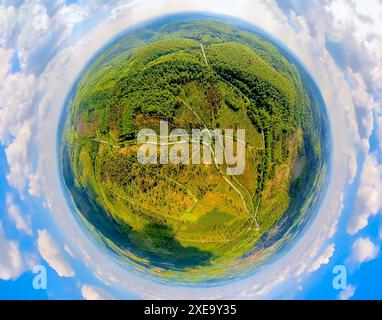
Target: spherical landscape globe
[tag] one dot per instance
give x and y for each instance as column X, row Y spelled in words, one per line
column 194, row 222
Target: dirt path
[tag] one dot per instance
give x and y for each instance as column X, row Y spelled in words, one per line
column 204, row 54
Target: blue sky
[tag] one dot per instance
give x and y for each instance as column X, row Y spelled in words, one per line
column 43, row 47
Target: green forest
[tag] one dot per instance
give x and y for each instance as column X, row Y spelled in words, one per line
column 195, row 75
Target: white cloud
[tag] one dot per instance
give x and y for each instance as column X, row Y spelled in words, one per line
column 69, row 251
column 52, row 254
column 93, row 293
column 5, row 67
column 369, row 195
column 21, row 221
column 8, row 20
column 364, row 250
column 353, row 167
column 348, row 293
column 18, row 157
column 364, row 106
column 11, row 260
column 357, row 26
column 72, row 14
column 17, row 93
column 324, row 258
column 379, row 132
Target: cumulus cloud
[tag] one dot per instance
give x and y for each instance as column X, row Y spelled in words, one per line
column 18, row 159
column 364, row 107
column 323, row 259
column 348, row 293
column 11, row 260
column 369, row 195
column 316, row 256
column 53, row 255
column 379, row 132
column 8, row 20
column 21, row 220
column 357, row 28
column 93, row 293
column 5, row 67
column 364, row 250
column 16, row 109
column 17, row 92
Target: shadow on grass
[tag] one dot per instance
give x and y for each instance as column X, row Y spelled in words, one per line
column 158, row 242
